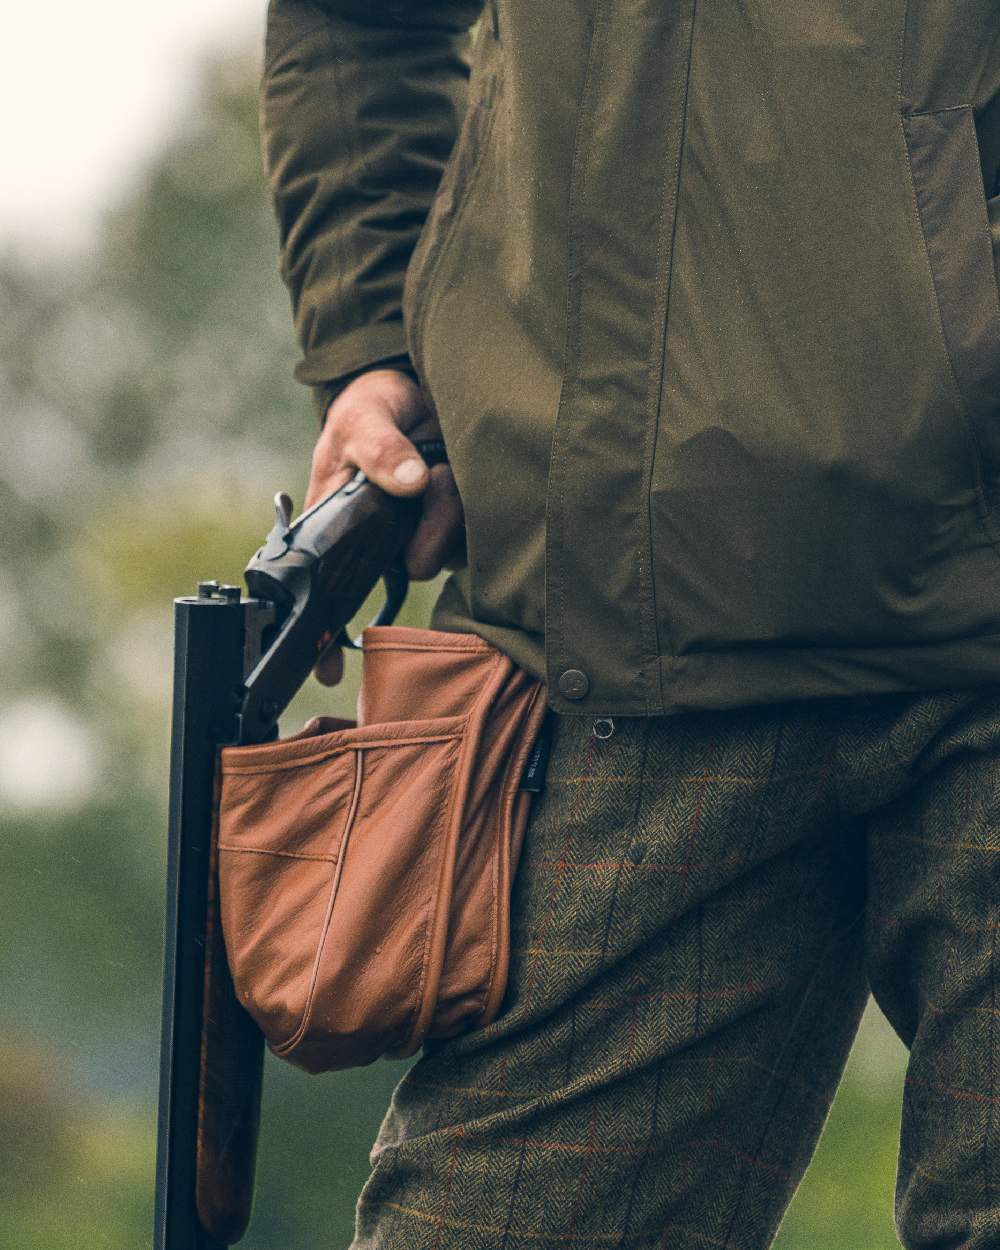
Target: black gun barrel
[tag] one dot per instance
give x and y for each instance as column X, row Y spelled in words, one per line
column 237, row 664
column 209, row 635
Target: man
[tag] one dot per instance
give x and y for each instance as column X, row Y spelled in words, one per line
column 705, row 302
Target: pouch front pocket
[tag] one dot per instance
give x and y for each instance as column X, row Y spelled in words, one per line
column 332, row 963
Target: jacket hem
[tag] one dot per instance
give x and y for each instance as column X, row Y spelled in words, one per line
column 749, row 676
column 739, row 677
column 360, row 349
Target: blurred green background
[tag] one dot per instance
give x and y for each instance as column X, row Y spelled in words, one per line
column 149, row 416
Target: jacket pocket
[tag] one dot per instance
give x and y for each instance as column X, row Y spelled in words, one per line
column 961, row 229
column 457, row 179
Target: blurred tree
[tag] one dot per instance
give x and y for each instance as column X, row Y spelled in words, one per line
column 150, row 417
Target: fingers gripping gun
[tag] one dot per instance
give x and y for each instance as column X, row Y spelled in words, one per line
column 238, row 662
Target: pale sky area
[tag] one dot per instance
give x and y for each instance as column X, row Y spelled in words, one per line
column 86, row 92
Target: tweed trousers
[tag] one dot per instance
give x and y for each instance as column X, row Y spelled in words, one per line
column 702, row 904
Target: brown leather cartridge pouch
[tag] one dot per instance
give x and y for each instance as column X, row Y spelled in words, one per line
column 365, row 868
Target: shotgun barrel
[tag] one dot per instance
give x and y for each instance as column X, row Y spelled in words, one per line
column 238, row 662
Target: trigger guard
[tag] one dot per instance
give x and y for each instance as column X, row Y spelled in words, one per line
column 397, row 582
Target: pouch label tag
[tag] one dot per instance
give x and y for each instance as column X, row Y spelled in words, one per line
column 537, row 764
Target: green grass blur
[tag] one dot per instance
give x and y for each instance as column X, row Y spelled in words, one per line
column 151, row 418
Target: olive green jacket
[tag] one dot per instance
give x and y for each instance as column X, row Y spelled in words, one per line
column 706, row 300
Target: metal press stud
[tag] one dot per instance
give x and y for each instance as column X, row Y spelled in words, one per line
column 604, row 727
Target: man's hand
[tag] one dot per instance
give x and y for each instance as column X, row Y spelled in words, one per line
column 366, row 428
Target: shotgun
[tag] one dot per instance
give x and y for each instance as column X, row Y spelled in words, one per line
column 238, row 662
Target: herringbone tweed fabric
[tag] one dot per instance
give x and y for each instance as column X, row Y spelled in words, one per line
column 699, row 903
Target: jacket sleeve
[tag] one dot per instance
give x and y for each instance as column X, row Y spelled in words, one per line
column 361, row 101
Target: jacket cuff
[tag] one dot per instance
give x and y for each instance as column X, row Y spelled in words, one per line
column 324, row 393
column 380, row 346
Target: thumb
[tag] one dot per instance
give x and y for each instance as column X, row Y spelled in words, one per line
column 377, row 446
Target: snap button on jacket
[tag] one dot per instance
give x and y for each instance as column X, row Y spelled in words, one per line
column 705, row 297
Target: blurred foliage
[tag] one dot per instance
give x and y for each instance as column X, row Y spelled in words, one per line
column 150, row 418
